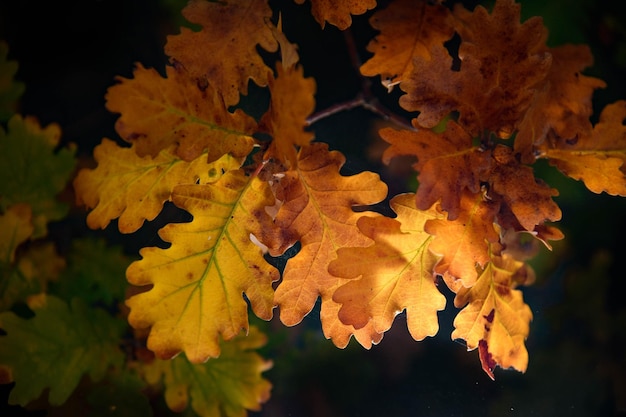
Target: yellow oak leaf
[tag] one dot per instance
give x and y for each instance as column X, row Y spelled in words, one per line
column 447, row 163
column 199, row 281
column 407, row 29
column 134, row 188
column 463, row 243
column 515, row 185
column 317, row 211
column 338, row 12
column 495, row 318
column 596, row 159
column 291, row 103
column 224, row 52
column 222, row 387
column 393, row 274
column 562, row 106
column 157, row 112
column 501, row 62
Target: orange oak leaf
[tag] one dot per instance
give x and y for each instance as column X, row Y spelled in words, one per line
column 407, row 29
column 495, row 318
column 338, row 12
column 514, row 185
column 288, row 51
column 157, row 112
column 291, row 103
column 199, row 281
column 134, row 188
column 317, row 211
column 597, row 159
column 224, row 52
column 562, row 106
column 393, row 274
column 501, row 61
column 463, row 243
column 447, row 163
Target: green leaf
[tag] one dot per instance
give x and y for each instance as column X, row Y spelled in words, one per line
column 95, row 273
column 35, row 268
column 56, row 347
column 32, row 172
column 10, row 90
column 120, row 394
column 226, row 386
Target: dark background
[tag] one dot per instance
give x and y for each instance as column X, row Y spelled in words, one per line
column 69, row 53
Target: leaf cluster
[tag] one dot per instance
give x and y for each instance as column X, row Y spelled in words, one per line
column 65, row 344
column 483, row 111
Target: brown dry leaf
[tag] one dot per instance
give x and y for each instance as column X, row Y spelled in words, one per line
column 393, row 274
column 224, row 52
column 562, row 106
column 447, row 163
column 407, row 29
column 338, row 12
column 501, row 63
column 157, row 112
column 515, row 186
column 463, row 244
column 495, row 318
column 317, row 211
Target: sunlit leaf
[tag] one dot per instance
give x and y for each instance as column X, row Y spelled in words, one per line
column 224, row 53
column 393, row 274
column 407, row 29
column 135, row 188
column 199, row 282
column 494, row 317
column 317, row 211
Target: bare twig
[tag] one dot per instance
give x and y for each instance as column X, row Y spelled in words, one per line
column 365, row 98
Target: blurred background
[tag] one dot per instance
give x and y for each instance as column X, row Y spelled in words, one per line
column 70, row 51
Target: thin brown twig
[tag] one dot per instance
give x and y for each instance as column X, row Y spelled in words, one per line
column 365, row 98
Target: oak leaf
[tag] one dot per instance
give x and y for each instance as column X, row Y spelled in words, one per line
column 36, row 184
column 95, row 273
column 56, row 347
column 393, row 274
column 224, row 52
column 35, row 271
column 495, row 318
column 199, row 281
column 501, row 63
column 338, row 12
column 562, row 105
column 291, row 103
column 134, row 188
column 221, row 387
column 514, row 185
column 157, row 112
column 448, row 163
column 598, row 158
column 317, row 211
column 463, row 243
column 407, row 29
